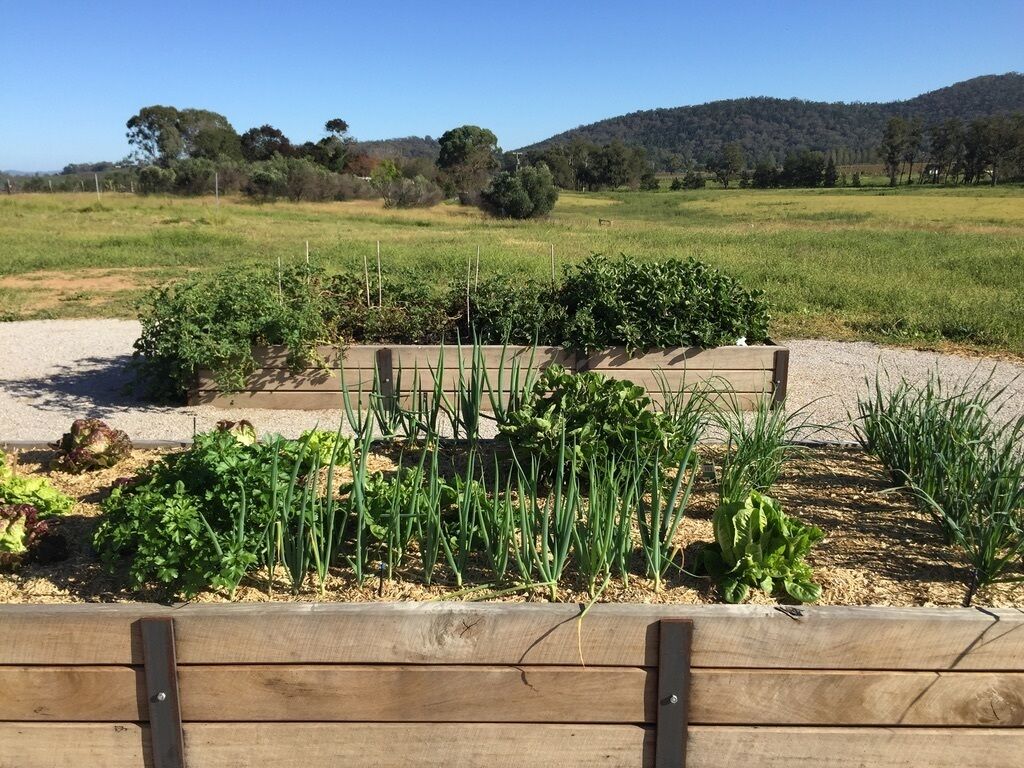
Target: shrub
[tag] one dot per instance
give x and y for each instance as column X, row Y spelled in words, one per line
column 213, row 322
column 527, row 193
column 506, row 309
column 693, row 180
column 658, row 304
column 153, row 179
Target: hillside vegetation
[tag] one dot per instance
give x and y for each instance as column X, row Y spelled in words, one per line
column 770, row 127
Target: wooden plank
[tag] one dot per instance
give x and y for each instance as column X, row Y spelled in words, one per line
column 87, row 693
column 82, row 745
column 739, row 747
column 333, row 400
column 826, row 637
column 281, row 379
column 802, row 697
column 416, row 745
column 693, row 358
column 423, row 356
column 328, row 745
column 411, row 745
column 523, row 694
column 654, row 381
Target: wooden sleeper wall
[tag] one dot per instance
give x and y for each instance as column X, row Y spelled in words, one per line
column 751, row 373
column 311, row 685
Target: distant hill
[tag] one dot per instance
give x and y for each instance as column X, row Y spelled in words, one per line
column 407, row 146
column 769, row 126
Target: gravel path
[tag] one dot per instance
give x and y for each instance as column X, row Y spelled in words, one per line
column 54, row 371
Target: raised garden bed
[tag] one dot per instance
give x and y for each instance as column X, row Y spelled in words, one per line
column 878, row 549
column 314, row 686
column 743, row 374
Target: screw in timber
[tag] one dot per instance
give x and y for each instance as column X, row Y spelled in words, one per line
column 673, row 699
column 161, row 696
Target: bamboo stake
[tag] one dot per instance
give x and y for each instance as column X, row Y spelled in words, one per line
column 366, row 275
column 476, row 279
column 280, row 287
column 96, row 178
column 380, row 284
column 469, row 272
column 552, row 262
column 307, row 253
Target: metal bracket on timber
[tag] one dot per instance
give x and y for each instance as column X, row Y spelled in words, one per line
column 780, row 377
column 674, row 641
column 161, row 664
column 385, row 376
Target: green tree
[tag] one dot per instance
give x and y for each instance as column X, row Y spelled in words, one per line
column 468, row 157
column 263, row 143
column 892, row 147
column 162, row 134
column 831, row 174
column 527, row 193
column 154, row 134
column 731, row 161
column 912, row 141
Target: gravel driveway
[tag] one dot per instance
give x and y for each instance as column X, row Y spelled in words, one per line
column 54, row 371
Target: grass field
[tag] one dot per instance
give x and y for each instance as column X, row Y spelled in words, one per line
column 929, row 267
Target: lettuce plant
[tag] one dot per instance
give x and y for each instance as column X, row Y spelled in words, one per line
column 91, row 444
column 758, row 545
column 20, row 529
column 34, row 491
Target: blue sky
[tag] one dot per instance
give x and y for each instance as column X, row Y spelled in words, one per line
column 72, row 73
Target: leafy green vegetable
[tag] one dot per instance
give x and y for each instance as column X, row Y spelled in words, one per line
column 758, row 545
column 597, row 417
column 20, row 529
column 90, row 444
column 642, row 305
column 34, row 491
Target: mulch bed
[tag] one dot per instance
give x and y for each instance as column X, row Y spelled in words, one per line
column 878, row 550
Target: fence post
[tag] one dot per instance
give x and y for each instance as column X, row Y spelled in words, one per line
column 780, row 377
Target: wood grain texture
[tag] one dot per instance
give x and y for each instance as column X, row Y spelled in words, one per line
column 329, row 745
column 693, row 358
column 752, row 747
column 494, row 633
column 422, row 356
column 417, row 745
column 518, row 694
column 333, row 400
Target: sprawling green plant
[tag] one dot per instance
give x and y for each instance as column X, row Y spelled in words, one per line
column 758, row 545
column 596, row 416
column 206, row 516
column 213, row 321
column 642, row 305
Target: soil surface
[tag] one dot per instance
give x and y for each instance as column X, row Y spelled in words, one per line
column 54, row 371
column 878, row 550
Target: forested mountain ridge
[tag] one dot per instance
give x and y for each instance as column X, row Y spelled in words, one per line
column 769, row 127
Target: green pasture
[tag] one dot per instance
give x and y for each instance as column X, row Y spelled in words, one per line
column 923, row 266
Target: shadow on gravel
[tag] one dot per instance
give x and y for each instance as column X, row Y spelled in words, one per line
column 94, row 387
